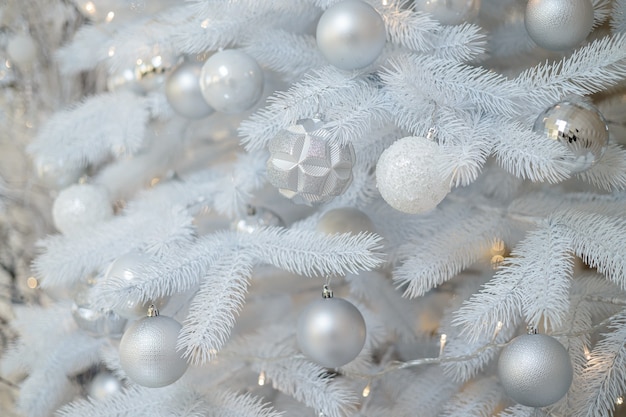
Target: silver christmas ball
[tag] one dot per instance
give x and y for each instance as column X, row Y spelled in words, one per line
column 151, row 71
column 558, row 24
column 80, row 206
column 331, row 332
column 148, row 352
column 124, row 80
column 450, row 12
column 579, row 126
column 351, row 34
column 103, row 385
column 535, row 370
column 182, row 89
column 344, row 220
column 231, row 81
column 409, row 177
column 55, row 173
column 126, row 267
column 256, row 218
column 95, row 322
column 305, row 167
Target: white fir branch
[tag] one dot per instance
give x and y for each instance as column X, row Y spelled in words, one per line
column 519, row 410
column 590, row 69
column 318, row 90
column 599, row 240
column 230, row 404
column 609, row 173
column 618, row 16
column 102, row 126
column 212, row 311
column 601, row 12
column 461, row 43
column 312, row 253
column 288, row 53
column 453, row 84
column 89, row 46
column 407, row 27
column 605, row 374
column 440, row 257
column 44, row 392
column 479, row 398
column 430, row 389
column 528, row 155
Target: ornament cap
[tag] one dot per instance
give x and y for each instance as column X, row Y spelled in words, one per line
column 152, row 311
column 327, row 292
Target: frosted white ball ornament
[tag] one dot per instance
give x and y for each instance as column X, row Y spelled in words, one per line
column 450, row 12
column 558, row 24
column 331, row 331
column 231, row 81
column 104, row 385
column 22, row 50
column 80, row 206
column 127, row 267
column 182, row 89
column 306, row 167
column 580, row 126
column 351, row 34
column 344, row 220
column 148, row 352
column 535, row 370
column 409, row 177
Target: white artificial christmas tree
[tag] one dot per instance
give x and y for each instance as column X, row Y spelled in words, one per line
column 313, row 207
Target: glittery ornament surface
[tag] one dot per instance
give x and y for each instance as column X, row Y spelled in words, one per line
column 535, row 370
column 559, row 24
column 409, row 177
column 579, row 126
column 81, row 205
column 305, row 167
column 148, row 352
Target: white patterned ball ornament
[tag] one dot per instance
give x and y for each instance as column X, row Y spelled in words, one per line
column 558, row 24
column 409, row 176
column 79, row 206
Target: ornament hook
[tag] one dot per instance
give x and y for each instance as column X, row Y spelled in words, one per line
column 531, row 330
column 327, row 292
column 152, row 311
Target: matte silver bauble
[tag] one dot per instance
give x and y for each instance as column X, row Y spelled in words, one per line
column 182, row 89
column 409, row 176
column 351, row 34
column 96, row 322
column 104, row 385
column 127, row 267
column 449, row 12
column 535, row 370
column 148, row 352
column 579, row 126
column 257, row 218
column 331, row 332
column 305, row 167
column 79, row 206
column 558, row 24
column 231, row 81
column 344, row 220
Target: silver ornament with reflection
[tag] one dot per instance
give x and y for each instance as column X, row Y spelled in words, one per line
column 579, row 126
column 256, row 218
column 182, row 89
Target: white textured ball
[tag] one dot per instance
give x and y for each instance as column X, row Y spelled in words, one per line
column 345, row 220
column 22, row 50
column 103, row 385
column 182, row 89
column 409, row 177
column 535, row 370
column 127, row 267
column 331, row 332
column 80, row 206
column 351, row 34
column 449, row 12
column 231, row 81
column 148, row 352
column 559, row 24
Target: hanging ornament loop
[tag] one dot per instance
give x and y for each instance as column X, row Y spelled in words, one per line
column 327, row 292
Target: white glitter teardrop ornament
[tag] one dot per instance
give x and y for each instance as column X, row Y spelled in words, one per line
column 535, row 370
column 409, row 177
column 231, row 81
column 558, row 24
column 80, row 206
column 148, row 352
column 127, row 267
column 449, row 12
column 331, row 331
column 306, row 167
column 351, row 34
column 578, row 125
